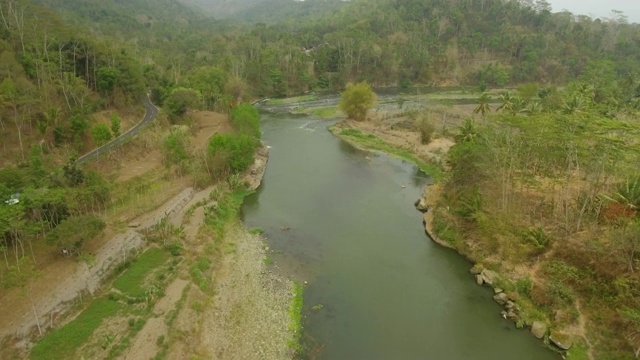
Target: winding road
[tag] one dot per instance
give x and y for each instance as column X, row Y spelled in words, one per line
column 151, row 113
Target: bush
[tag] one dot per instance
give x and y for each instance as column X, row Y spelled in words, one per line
column 356, row 100
column 180, row 100
column 246, row 120
column 426, row 129
column 238, row 150
column 175, row 147
column 100, row 133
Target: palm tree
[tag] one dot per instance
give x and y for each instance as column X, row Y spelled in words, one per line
column 507, row 99
column 483, row 105
column 575, row 104
column 468, row 132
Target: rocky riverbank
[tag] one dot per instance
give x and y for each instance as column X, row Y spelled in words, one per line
column 427, row 204
column 249, row 317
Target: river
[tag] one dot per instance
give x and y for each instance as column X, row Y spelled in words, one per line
column 343, row 221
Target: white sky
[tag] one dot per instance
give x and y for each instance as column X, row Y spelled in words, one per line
column 599, row 8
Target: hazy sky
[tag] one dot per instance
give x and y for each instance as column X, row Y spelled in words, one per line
column 599, row 8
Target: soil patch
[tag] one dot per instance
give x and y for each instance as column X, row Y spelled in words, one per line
column 207, row 124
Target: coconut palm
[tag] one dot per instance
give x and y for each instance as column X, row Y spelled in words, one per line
column 483, row 105
column 507, row 100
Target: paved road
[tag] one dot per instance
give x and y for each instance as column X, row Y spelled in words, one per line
column 151, row 113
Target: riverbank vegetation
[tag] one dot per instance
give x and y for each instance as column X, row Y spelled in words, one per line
column 544, row 192
column 371, row 142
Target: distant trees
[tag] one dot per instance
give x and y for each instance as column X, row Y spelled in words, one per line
column 210, row 82
column 356, row 100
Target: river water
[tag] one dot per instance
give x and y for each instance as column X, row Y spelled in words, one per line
column 343, row 220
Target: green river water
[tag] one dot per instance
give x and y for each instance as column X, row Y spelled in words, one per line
column 388, row 291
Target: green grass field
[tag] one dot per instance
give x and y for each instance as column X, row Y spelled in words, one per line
column 131, row 282
column 63, row 342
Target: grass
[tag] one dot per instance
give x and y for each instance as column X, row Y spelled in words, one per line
column 295, row 318
column 324, row 112
column 132, row 281
column 63, row 342
column 229, row 204
column 199, row 271
column 578, row 352
column 140, row 195
column 372, row 142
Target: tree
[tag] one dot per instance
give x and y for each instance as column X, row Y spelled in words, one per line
column 107, row 79
column 180, row 100
column 356, row 100
column 246, row 120
column 483, row 105
column 210, row 82
column 100, row 133
column 115, row 125
column 237, row 149
column 73, row 232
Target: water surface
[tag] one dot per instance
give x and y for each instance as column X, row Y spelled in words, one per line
column 343, row 220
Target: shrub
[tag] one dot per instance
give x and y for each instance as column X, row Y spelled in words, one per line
column 100, row 133
column 356, row 100
column 175, row 147
column 538, row 238
column 426, row 129
column 246, row 120
column 237, row 149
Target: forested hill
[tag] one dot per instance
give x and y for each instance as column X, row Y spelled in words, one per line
column 64, row 59
column 461, row 42
column 53, row 76
column 315, row 45
column 132, row 19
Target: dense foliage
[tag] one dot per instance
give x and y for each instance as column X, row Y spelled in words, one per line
column 236, row 149
column 246, row 120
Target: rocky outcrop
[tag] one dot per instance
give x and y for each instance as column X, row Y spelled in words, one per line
column 254, row 175
column 421, row 204
column 488, row 276
column 561, row 340
column 501, row 298
column 476, row 269
column 538, row 329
